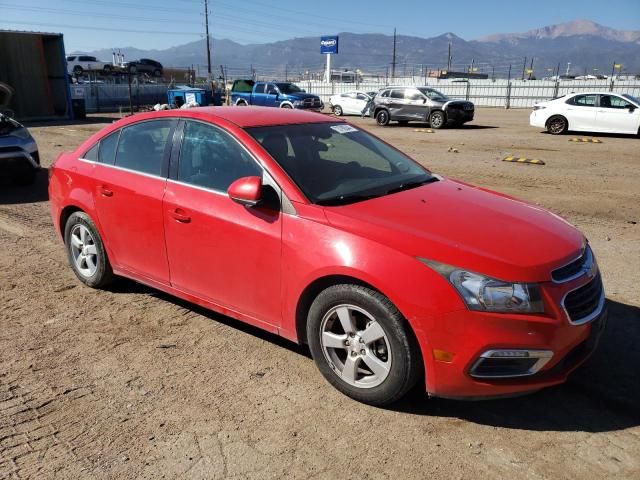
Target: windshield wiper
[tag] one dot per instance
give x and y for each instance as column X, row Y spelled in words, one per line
column 410, row 185
column 346, row 199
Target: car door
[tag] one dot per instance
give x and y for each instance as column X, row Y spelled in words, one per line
column 415, row 104
column 397, row 105
column 258, row 96
column 219, row 250
column 130, row 182
column 617, row 115
column 581, row 113
column 360, row 102
column 271, row 95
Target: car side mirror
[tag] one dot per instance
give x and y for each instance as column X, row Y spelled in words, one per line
column 246, row 191
column 631, row 108
column 424, row 100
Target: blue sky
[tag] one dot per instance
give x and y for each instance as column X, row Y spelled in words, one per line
column 93, row 24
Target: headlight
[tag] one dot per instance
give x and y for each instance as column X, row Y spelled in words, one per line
column 484, row 293
column 297, row 103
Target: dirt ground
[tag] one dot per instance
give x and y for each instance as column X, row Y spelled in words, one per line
column 132, row 383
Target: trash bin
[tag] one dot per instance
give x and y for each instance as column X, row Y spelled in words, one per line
column 79, row 108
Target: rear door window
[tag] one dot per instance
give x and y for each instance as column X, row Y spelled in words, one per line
column 142, row 146
column 92, row 153
column 584, row 100
column 107, row 151
column 397, row 93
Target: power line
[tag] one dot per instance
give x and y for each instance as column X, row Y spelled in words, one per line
column 60, row 25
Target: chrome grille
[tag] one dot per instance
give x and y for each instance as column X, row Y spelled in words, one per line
column 575, row 268
column 585, row 303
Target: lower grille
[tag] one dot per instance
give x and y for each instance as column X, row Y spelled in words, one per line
column 584, row 304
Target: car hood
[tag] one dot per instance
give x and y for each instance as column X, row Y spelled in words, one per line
column 458, row 224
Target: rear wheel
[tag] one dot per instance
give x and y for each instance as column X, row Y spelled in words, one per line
column 86, row 252
column 362, row 344
column 241, row 103
column 557, row 125
column 437, row 119
column 382, row 118
column 337, row 110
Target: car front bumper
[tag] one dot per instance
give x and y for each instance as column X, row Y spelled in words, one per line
column 453, row 376
column 460, row 116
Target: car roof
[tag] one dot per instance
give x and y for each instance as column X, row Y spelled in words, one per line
column 243, row 117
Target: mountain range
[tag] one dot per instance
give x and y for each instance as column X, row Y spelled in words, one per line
column 588, row 46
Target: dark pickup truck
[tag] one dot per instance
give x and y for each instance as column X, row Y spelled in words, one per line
column 273, row 94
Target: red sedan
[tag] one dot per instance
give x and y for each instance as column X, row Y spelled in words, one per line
column 313, row 229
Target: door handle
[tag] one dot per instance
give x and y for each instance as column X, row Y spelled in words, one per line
column 180, row 215
column 105, row 191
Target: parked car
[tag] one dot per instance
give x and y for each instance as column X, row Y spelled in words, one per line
column 144, row 65
column 78, row 64
column 272, row 94
column 311, row 228
column 349, row 103
column 421, row 104
column 19, row 159
column 604, row 112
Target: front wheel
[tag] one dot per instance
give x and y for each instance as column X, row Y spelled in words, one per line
column 382, row 118
column 557, row 125
column 86, row 252
column 437, row 119
column 285, row 105
column 362, row 345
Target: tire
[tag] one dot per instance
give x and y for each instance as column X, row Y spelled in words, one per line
column 557, row 125
column 241, row 103
column 78, row 70
column 382, row 118
column 286, row 105
column 437, row 119
column 337, row 110
column 157, row 73
column 79, row 226
column 395, row 355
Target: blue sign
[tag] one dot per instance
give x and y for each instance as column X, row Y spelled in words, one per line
column 329, row 44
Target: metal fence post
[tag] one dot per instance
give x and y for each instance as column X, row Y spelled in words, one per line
column 557, row 88
column 468, row 90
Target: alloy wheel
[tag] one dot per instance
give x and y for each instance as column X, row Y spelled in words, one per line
column 83, row 250
column 355, row 346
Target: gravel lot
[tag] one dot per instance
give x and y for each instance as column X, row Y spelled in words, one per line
column 132, row 383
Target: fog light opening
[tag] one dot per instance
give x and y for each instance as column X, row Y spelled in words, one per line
column 510, row 363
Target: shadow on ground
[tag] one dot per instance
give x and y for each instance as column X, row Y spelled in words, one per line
column 11, row 194
column 426, row 125
column 602, row 395
column 571, row 134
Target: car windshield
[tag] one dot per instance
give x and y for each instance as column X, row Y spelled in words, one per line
column 434, row 94
column 337, row 164
column 632, row 98
column 288, row 88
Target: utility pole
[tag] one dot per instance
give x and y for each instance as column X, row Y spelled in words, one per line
column 206, row 26
column 531, row 68
column 393, row 64
column 449, row 58
column 524, row 67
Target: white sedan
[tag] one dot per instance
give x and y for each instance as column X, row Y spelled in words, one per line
column 349, row 103
column 588, row 112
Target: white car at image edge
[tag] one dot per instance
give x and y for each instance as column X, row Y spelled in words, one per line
column 349, row 103
column 603, row 112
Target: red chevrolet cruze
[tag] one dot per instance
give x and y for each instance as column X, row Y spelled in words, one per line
column 313, row 229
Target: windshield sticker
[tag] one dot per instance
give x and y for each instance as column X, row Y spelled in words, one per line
column 343, row 128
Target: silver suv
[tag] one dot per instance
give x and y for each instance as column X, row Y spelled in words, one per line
column 419, row 104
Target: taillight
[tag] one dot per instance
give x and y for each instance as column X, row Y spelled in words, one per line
column 538, row 107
